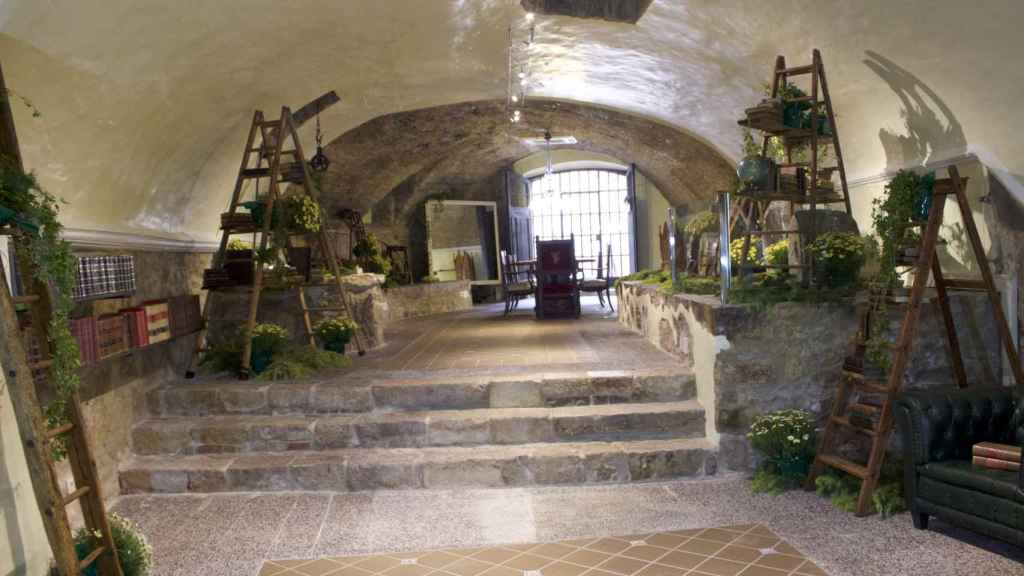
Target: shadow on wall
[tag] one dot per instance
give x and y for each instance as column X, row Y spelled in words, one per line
column 932, row 129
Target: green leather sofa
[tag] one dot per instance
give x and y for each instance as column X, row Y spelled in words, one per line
column 937, row 430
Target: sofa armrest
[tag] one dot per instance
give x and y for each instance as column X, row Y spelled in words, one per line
column 945, row 425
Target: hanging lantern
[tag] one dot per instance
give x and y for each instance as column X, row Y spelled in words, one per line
column 319, row 162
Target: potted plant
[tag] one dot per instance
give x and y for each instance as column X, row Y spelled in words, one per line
column 335, row 333
column 906, row 201
column 784, row 441
column 134, row 553
column 238, row 262
column 267, row 340
column 838, row 258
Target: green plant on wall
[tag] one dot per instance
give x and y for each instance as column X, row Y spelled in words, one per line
column 36, row 212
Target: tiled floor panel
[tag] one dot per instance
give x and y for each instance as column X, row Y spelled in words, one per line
column 740, row 550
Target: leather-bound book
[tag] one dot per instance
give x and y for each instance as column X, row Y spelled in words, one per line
column 997, row 451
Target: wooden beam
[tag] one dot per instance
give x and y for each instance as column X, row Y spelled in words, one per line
column 309, row 111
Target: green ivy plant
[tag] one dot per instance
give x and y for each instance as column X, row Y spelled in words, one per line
column 55, row 266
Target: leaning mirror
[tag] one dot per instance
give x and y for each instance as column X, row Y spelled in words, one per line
column 462, row 241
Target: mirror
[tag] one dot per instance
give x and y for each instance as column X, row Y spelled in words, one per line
column 462, row 241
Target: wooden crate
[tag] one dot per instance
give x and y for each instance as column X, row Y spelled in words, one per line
column 111, row 335
column 185, row 316
column 157, row 320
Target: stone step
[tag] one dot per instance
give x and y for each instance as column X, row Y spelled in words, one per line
column 279, row 433
column 410, row 468
column 346, row 394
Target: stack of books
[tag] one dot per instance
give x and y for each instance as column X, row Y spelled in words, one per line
column 996, row 456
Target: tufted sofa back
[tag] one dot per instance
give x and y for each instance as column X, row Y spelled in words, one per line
column 947, row 424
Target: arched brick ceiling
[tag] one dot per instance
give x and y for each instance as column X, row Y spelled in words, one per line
column 474, row 139
column 145, row 103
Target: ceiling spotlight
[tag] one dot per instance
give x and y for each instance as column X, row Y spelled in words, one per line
column 529, row 16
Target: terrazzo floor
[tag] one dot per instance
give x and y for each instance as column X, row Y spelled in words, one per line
column 235, row 534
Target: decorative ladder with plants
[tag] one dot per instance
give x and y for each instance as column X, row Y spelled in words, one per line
column 261, row 220
column 857, row 413
column 777, row 122
column 43, row 258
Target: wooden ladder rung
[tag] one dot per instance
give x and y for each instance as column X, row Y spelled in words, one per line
column 26, row 299
column 76, row 494
column 845, row 422
column 804, row 99
column 326, row 309
column 861, row 381
column 92, row 557
column 63, row 429
column 796, row 70
column 965, row 284
column 845, row 465
column 867, row 409
column 41, row 364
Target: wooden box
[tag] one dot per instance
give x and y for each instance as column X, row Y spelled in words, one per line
column 157, row 320
column 185, row 316
column 111, row 335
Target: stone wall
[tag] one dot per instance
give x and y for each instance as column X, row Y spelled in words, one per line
column 749, row 361
column 113, row 391
column 425, row 299
column 229, row 308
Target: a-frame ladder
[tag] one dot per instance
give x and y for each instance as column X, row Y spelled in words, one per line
column 265, row 161
column 751, row 210
column 859, row 415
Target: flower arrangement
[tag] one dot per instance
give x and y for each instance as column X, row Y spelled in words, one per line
column 236, row 245
column 736, row 252
column 786, row 441
column 777, row 254
column 133, row 550
column 337, row 330
column 302, row 213
column 839, row 257
column 267, row 340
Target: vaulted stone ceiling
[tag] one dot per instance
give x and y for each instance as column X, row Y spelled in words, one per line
column 145, row 103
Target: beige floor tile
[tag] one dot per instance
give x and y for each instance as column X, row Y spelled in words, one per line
column 563, row 569
column 409, row 570
column 705, row 547
column 271, row 569
column 377, row 564
column 587, row 557
column 467, row 567
column 785, row 548
column 318, row 567
column 718, row 535
column 780, row 562
column 666, row 540
column 648, row 553
column 496, row 555
column 437, row 559
column 527, row 562
column 661, row 570
column 553, row 551
column 755, row 541
column 809, row 568
column 609, row 545
column 738, row 554
column 720, row 567
column 351, row 571
column 501, row 571
column 762, row 571
column 680, row 559
column 623, row 566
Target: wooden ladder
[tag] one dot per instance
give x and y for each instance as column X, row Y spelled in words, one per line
column 876, row 420
column 269, row 165
column 751, row 210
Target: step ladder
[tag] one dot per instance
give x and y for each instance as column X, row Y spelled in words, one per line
column 751, row 210
column 266, row 161
column 852, row 409
column 38, row 443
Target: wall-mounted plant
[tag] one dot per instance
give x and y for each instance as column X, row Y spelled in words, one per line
column 36, row 211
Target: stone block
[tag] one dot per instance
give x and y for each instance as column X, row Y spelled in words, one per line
column 515, row 394
column 589, row 426
column 282, row 429
column 340, row 399
column 567, row 391
column 666, row 387
column 557, row 467
column 663, row 464
column 319, row 472
column 216, row 433
column 526, row 430
column 463, row 473
column 679, row 424
column 191, row 401
column 161, row 437
column 602, row 467
column 332, row 433
column 265, row 472
column 734, row 452
column 458, row 431
column 208, row 480
column 244, row 399
column 431, row 397
column 289, row 398
column 391, row 434
column 395, row 473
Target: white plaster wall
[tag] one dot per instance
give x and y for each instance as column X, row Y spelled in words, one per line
column 24, row 548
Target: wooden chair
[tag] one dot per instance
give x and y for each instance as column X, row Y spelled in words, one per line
column 601, row 284
column 558, row 293
column 516, row 283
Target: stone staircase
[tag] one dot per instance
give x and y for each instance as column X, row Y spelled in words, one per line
column 387, row 432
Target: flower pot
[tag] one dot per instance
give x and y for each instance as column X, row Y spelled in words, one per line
column 301, row 259
column 335, row 346
column 260, row 360
column 6, row 215
column 757, row 173
column 239, row 266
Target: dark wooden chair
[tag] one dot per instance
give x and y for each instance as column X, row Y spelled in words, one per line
column 516, row 282
column 558, row 293
column 601, row 283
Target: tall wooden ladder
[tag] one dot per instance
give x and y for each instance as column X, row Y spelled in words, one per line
column 853, row 410
column 751, row 210
column 266, row 161
column 36, row 438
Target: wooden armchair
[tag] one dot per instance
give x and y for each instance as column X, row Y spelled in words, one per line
column 601, row 283
column 516, row 283
column 558, row 293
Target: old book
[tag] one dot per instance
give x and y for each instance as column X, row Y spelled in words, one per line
column 997, row 451
column 995, row 464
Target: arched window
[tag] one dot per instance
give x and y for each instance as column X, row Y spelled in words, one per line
column 590, row 204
